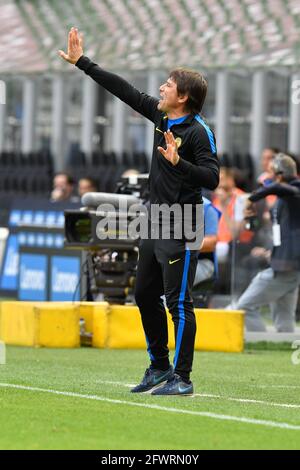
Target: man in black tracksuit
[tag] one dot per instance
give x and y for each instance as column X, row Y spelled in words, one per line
column 178, row 172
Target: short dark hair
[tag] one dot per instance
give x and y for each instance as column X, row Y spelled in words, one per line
column 91, row 180
column 191, row 83
column 229, row 172
column 275, row 150
column 69, row 178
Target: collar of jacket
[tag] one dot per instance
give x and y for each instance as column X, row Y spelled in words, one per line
column 188, row 120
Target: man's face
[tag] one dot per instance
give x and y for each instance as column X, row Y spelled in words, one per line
column 226, row 182
column 85, row 186
column 61, row 185
column 266, row 158
column 170, row 100
column 225, row 188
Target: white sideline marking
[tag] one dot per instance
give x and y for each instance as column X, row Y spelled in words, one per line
column 203, row 414
column 277, row 386
column 109, row 382
column 208, row 395
column 247, row 400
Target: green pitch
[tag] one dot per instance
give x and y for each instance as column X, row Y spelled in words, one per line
column 248, row 400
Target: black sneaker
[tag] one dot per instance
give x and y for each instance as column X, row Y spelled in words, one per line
column 152, row 378
column 175, row 386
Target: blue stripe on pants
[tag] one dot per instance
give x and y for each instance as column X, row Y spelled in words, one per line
column 152, row 358
column 181, row 306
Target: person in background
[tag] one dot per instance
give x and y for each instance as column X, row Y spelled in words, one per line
column 230, row 226
column 206, row 267
column 267, row 156
column 87, row 185
column 63, row 188
column 277, row 285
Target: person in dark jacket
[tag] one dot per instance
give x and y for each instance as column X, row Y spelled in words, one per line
column 184, row 160
column 277, row 285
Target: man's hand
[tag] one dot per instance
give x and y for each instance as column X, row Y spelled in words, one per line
column 75, row 47
column 170, row 153
column 260, row 252
column 249, row 209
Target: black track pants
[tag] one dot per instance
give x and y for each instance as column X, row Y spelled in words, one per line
column 167, row 267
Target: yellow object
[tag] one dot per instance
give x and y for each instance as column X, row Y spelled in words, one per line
column 125, row 330
column 18, row 323
column 219, row 330
column 51, row 324
column 58, row 325
column 100, row 324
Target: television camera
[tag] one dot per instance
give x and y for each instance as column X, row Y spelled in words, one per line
column 100, row 228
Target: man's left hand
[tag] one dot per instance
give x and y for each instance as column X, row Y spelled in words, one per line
column 170, row 153
column 249, row 209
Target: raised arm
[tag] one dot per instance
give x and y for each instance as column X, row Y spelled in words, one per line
column 140, row 102
column 278, row 189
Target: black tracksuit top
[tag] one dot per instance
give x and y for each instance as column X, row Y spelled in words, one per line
column 198, row 165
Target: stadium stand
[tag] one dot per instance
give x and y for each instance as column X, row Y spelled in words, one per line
column 33, row 173
column 227, row 33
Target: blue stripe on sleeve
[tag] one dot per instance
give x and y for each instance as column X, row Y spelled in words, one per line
column 209, row 133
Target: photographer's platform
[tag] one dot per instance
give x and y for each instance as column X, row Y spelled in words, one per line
column 71, row 324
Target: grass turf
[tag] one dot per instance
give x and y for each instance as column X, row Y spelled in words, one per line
column 35, row 420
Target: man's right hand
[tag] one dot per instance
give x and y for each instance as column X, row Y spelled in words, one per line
column 75, row 47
